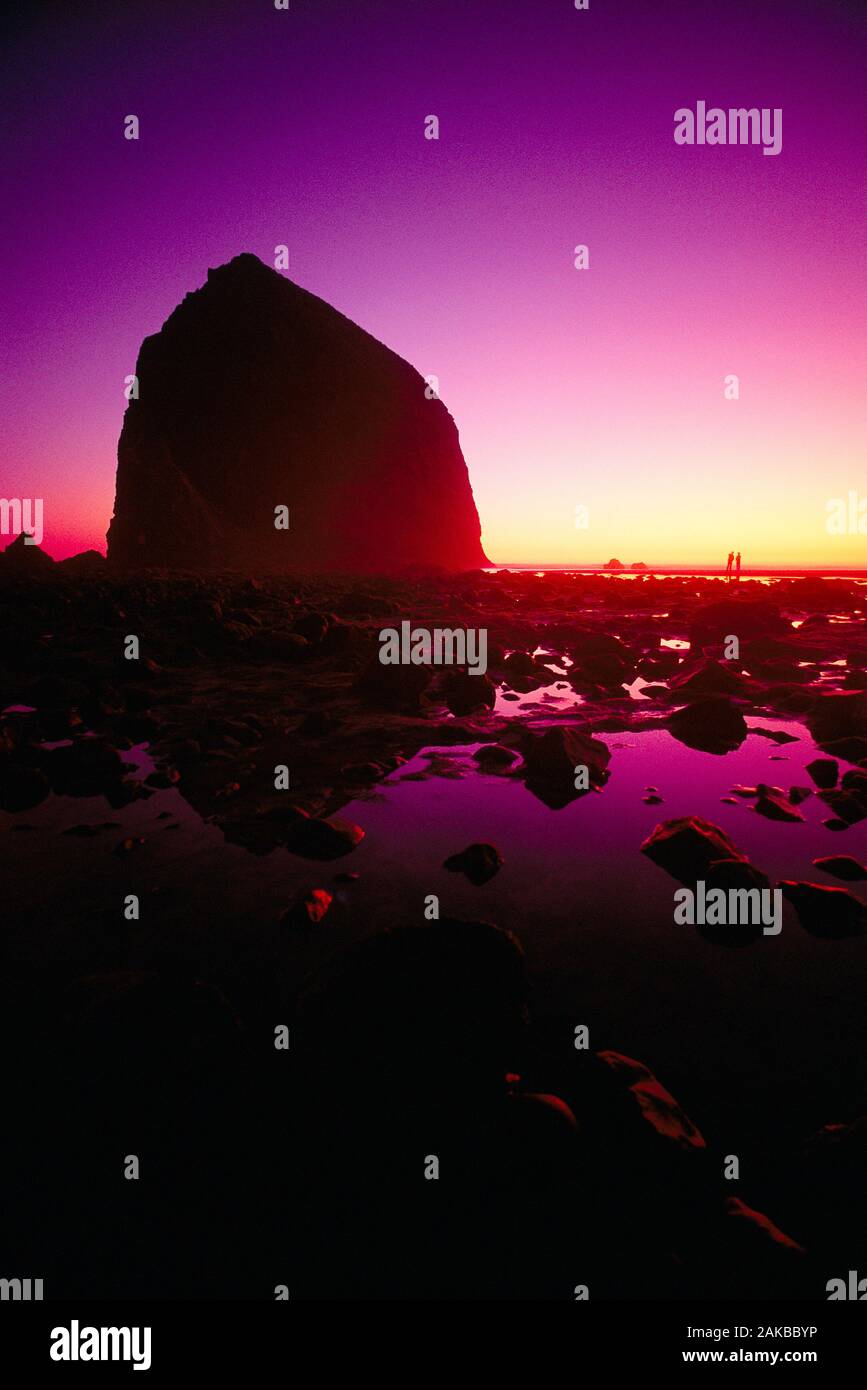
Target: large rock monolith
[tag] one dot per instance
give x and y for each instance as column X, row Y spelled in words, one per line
column 256, row 395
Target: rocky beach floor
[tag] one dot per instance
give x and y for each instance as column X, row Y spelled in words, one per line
column 155, row 777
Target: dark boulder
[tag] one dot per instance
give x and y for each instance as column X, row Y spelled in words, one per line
column 329, row 838
column 464, row 692
column 688, row 846
column 493, row 757
column 826, row 912
column 255, row 395
column 847, row 806
column 842, row 866
column 839, row 715
column 478, row 862
column 824, row 772
column 772, row 804
column 713, row 725
column 709, row 678
column 550, row 761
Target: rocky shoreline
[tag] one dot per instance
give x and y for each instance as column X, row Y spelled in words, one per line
column 237, row 677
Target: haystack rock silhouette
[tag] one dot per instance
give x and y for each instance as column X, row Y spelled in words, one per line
column 255, row 395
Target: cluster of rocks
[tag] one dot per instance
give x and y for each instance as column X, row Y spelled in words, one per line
column 237, row 676
column 693, row 849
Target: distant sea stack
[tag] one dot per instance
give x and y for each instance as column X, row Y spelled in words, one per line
column 255, row 395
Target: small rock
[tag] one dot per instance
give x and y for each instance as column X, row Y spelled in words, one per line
column 799, row 794
column 824, row 772
column 308, row 909
column 687, row 846
column 465, row 692
column 775, row 808
column 712, row 726
column 493, row 756
column 656, row 1105
column 846, row 805
column 838, row 716
column 479, row 862
column 328, row 838
column 851, row 750
column 550, row 762
column 841, row 866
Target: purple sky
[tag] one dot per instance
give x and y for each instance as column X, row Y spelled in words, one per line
column 601, row 388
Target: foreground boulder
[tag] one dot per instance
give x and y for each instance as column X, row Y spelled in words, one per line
column 329, row 838
column 828, row 912
column 657, row 1106
column 712, row 726
column 688, row 846
column 838, row 716
column 479, row 862
column 824, row 772
column 550, row 762
column 841, row 866
column 256, row 395
column 709, row 678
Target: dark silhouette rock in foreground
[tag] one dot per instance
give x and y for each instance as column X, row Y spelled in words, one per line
column 841, row 866
column 479, row 862
column 713, row 725
column 256, row 395
column 551, row 759
column 687, row 847
column 828, row 912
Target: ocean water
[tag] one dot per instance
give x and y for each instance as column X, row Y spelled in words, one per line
column 771, row 1031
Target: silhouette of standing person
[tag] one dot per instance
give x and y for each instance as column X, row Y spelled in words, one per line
column 729, row 566
column 738, row 567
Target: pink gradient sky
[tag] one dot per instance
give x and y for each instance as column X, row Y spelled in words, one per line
column 602, row 388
